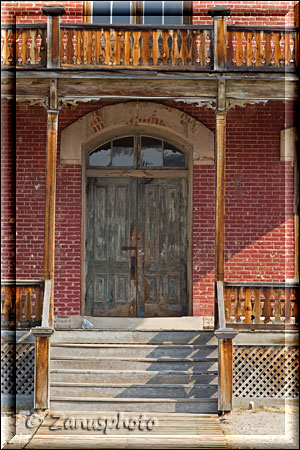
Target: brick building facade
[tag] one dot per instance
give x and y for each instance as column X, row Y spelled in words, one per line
column 260, row 238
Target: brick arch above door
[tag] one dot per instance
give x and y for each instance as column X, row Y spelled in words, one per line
column 166, row 120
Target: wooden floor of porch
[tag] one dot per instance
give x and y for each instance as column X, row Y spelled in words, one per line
column 159, row 431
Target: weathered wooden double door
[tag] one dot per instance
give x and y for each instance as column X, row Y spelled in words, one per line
column 136, row 247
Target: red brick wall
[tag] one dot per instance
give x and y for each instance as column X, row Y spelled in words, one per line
column 8, row 213
column 31, row 12
column 244, row 13
column 248, row 12
column 259, row 203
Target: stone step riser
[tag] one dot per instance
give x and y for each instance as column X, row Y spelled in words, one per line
column 134, row 337
column 205, row 406
column 132, row 377
column 170, row 351
column 118, row 364
column 135, row 392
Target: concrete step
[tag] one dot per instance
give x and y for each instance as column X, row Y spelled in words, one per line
column 89, row 404
column 134, row 390
column 203, row 337
column 149, row 364
column 129, row 376
column 138, row 350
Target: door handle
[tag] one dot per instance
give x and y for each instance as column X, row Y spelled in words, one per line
column 129, row 248
column 132, row 267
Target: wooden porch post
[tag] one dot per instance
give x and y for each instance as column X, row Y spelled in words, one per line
column 53, row 13
column 225, row 335
column 49, row 243
column 43, row 333
column 219, row 14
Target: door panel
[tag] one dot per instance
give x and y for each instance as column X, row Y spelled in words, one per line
column 136, row 247
column 111, row 221
column 162, row 219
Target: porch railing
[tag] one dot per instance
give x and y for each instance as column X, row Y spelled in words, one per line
column 188, row 47
column 261, row 304
column 263, row 48
column 21, row 304
column 24, row 46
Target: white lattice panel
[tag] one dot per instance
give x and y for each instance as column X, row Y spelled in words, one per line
column 266, row 371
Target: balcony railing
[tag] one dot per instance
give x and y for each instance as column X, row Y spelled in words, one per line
column 86, row 46
column 256, row 305
column 21, row 304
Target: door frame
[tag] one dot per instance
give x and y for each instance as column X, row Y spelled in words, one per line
column 187, row 173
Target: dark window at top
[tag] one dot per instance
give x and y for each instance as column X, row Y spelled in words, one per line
column 102, row 156
column 122, row 152
column 154, row 12
column 120, row 13
column 111, row 12
column 172, row 156
column 173, row 13
column 101, row 12
column 151, row 152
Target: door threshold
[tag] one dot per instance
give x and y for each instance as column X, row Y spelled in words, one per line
column 134, row 323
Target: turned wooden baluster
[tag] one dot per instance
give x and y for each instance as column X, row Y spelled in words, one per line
column 160, row 44
column 272, row 46
column 27, row 305
column 3, row 296
column 244, row 46
column 257, row 306
column 228, row 304
column 296, row 306
column 292, row 46
column 74, row 45
column 6, row 301
column 122, row 41
column 277, row 306
column 287, row 305
column 189, row 43
column 263, row 48
column 150, row 45
column 38, row 304
column 198, row 46
column 18, row 304
column 29, row 43
column 141, row 45
column 253, row 47
column 102, row 45
column 267, row 304
column 81, row 56
column 238, row 306
column 112, row 42
column 20, row 43
column 3, row 41
column 94, row 56
column 170, row 45
column 179, row 45
column 207, row 49
column 248, row 305
column 234, row 46
column 65, row 40
column 131, row 44
column 282, row 47
column 11, row 48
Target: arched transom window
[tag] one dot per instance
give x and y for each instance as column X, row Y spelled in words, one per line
column 137, row 152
